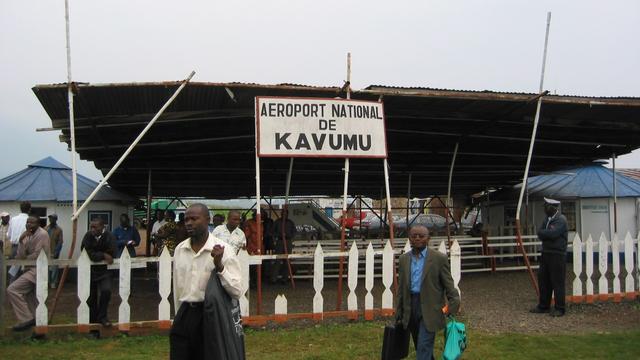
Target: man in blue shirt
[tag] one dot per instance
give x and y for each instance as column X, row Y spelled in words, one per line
column 126, row 236
column 424, row 278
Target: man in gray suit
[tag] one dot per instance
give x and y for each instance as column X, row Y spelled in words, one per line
column 424, row 278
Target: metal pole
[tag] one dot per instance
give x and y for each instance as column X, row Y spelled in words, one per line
column 344, row 202
column 408, row 202
column 615, row 196
column 74, row 169
column 133, row 145
column 149, row 223
column 259, row 221
column 284, row 222
column 390, row 218
column 526, row 170
column 449, row 203
column 288, row 183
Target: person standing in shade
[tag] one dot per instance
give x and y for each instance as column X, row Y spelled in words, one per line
column 5, row 241
column 231, row 232
column 284, row 229
column 167, row 234
column 424, row 280
column 127, row 236
column 21, row 294
column 101, row 246
column 154, row 230
column 196, row 259
column 55, row 242
column 553, row 264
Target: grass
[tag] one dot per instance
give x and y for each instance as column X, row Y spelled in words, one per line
column 338, row 341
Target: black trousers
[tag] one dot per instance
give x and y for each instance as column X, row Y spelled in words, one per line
column 185, row 338
column 99, row 297
column 551, row 279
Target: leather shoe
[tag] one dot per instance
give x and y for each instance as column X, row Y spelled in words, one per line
column 24, row 326
column 556, row 313
column 538, row 310
column 106, row 323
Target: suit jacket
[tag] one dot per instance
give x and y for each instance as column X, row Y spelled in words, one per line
column 436, row 283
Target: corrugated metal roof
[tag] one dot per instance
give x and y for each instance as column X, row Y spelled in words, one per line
column 631, row 173
column 586, row 182
column 50, row 180
column 203, row 145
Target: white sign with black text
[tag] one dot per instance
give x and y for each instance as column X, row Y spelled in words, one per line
column 318, row 127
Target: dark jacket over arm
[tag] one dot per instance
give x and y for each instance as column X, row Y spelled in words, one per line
column 96, row 250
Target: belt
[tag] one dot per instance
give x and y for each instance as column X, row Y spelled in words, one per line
column 195, row 304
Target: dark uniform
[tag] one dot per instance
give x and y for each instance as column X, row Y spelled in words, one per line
column 100, row 292
column 552, row 271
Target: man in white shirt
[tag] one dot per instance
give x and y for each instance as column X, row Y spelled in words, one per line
column 195, row 260
column 156, row 226
column 17, row 225
column 231, row 232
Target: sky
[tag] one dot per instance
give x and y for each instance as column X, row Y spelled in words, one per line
column 454, row 44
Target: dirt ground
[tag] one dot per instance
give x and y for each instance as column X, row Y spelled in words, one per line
column 495, row 303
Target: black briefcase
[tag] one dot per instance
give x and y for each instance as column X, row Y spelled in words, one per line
column 395, row 344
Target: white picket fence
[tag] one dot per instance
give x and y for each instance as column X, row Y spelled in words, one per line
column 583, row 253
column 354, row 256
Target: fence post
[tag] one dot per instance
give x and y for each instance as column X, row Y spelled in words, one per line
column 42, row 291
column 124, row 311
column 603, row 283
column 352, row 299
column 318, row 282
column 243, row 257
column 615, row 255
column 407, row 247
column 577, row 269
column 589, row 259
column 280, row 307
column 387, row 278
column 443, row 247
column 368, row 282
column 84, row 285
column 456, row 265
column 164, row 288
column 629, row 286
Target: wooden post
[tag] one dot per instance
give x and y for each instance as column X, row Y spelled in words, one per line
column 577, row 268
column 318, row 282
column 589, row 268
column 124, row 311
column 387, row 278
column 603, row 282
column 84, row 285
column 368, row 282
column 352, row 299
column 164, row 288
column 615, row 254
column 629, row 286
column 42, row 291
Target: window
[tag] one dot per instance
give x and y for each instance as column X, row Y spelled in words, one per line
column 568, row 209
column 105, row 215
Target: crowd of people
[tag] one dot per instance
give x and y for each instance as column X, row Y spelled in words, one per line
column 207, row 276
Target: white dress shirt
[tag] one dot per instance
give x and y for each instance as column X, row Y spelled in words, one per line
column 17, row 225
column 192, row 271
column 156, row 226
column 234, row 238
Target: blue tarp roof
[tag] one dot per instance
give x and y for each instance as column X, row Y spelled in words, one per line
column 50, row 180
column 594, row 181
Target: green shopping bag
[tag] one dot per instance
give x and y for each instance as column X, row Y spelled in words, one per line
column 455, row 340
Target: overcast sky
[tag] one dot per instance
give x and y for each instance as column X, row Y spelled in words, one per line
column 469, row 45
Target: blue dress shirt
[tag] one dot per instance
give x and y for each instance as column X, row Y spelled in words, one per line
column 417, row 264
